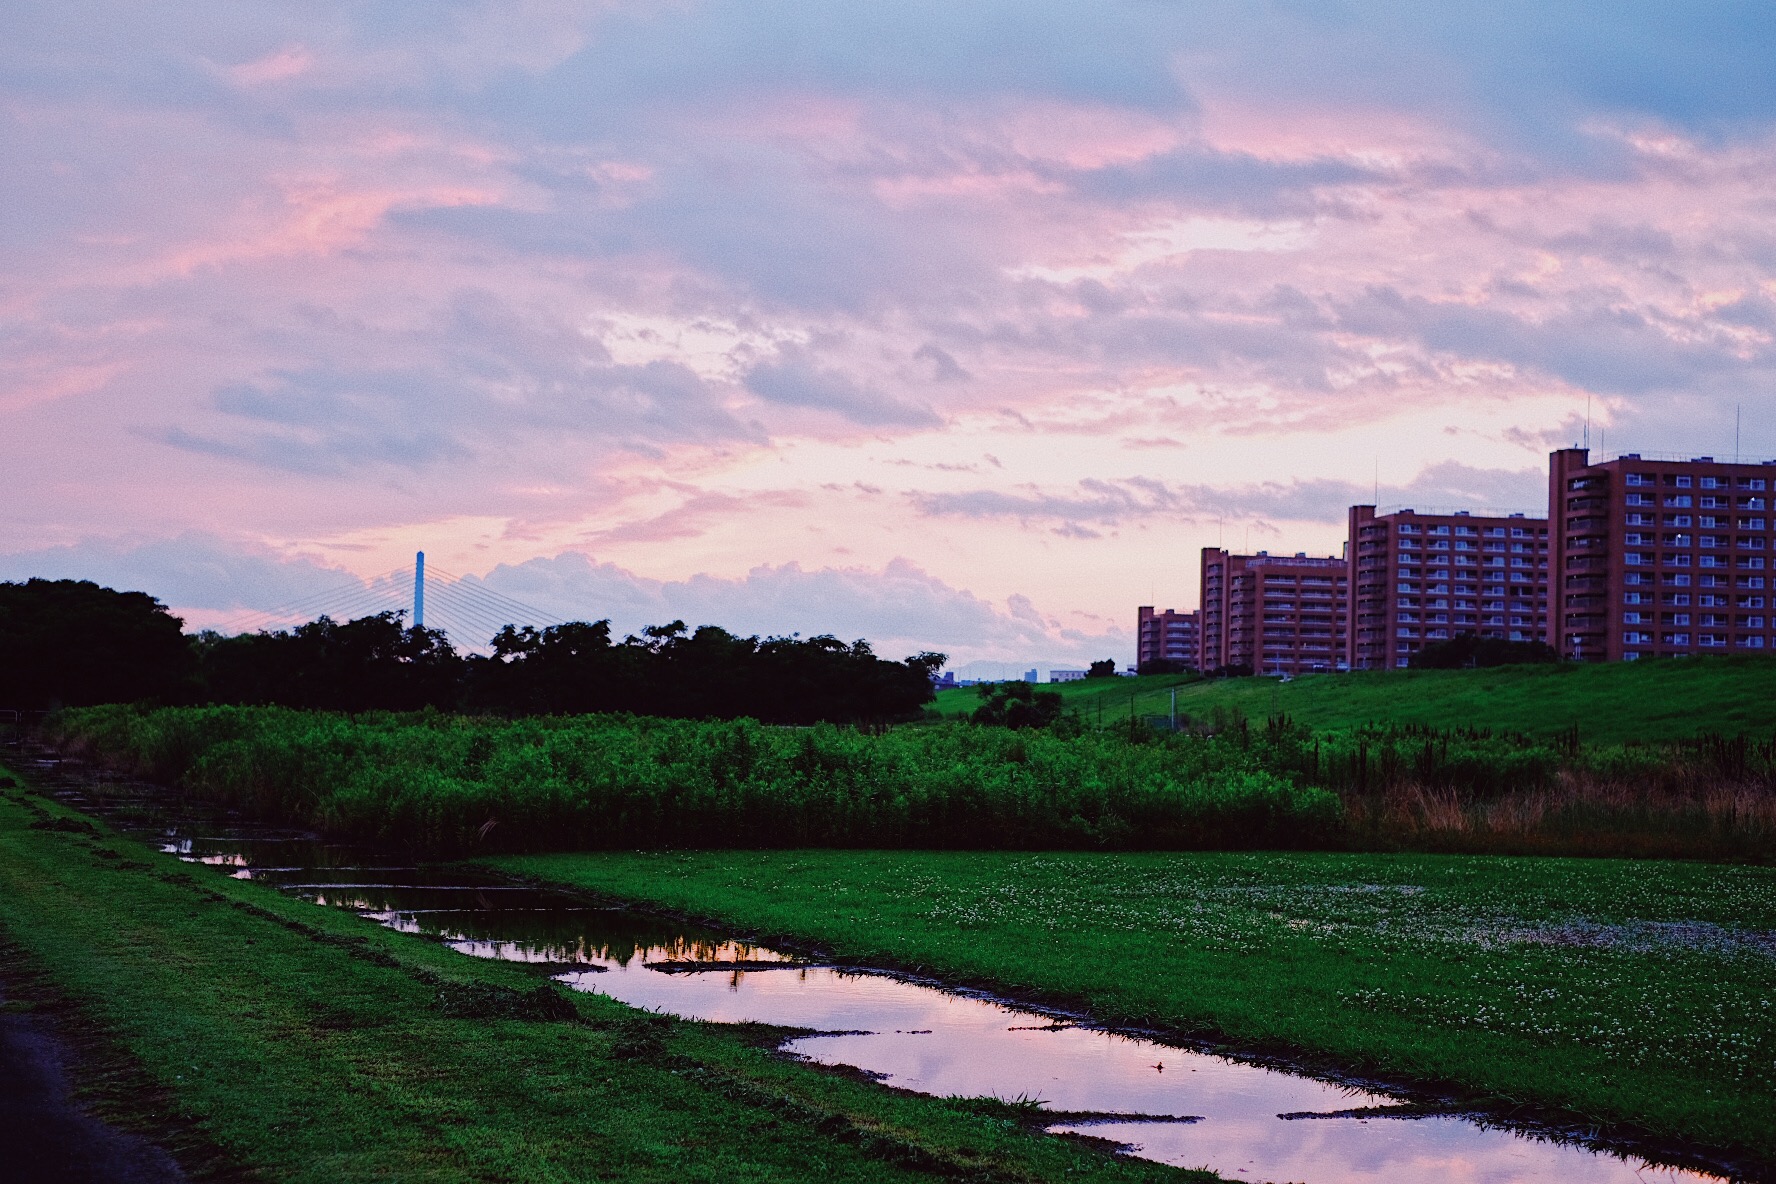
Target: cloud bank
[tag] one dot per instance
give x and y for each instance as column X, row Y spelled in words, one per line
column 1034, row 298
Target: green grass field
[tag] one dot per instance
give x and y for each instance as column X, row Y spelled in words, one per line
column 1611, row 703
column 265, row 1038
column 1637, row 994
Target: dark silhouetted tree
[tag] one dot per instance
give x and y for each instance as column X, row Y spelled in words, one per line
column 72, row 643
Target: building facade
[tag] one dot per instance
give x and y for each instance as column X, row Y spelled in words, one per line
column 1416, row 579
column 1272, row 614
column 1660, row 557
column 1168, row 637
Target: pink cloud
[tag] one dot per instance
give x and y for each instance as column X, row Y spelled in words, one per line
column 281, row 65
column 533, row 265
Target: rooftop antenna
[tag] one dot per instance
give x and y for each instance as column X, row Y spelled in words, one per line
column 419, row 590
column 1587, row 423
column 1738, row 412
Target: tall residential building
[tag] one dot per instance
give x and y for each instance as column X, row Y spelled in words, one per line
column 1659, row 557
column 1273, row 614
column 1419, row 578
column 1167, row 637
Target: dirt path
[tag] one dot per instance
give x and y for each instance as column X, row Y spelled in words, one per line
column 47, row 1137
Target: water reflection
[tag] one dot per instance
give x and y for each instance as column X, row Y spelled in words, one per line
column 1165, row 1104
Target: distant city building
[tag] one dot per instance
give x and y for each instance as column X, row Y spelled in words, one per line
column 1418, row 578
column 944, row 681
column 1065, row 675
column 1272, row 614
column 1167, row 637
column 1640, row 557
column 1029, row 676
column 1657, row 558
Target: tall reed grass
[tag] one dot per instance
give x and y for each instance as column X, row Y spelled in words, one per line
column 448, row 784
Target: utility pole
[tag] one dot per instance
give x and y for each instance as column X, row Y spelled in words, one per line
column 419, row 590
column 1174, row 709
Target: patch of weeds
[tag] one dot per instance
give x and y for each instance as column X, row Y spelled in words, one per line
column 328, row 1018
column 72, row 826
column 1022, row 1109
column 485, row 1001
column 641, row 1038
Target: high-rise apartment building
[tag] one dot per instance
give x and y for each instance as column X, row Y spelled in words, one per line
column 1272, row 614
column 1418, row 578
column 1167, row 637
column 1660, row 557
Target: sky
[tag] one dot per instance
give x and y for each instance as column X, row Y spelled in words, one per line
column 952, row 326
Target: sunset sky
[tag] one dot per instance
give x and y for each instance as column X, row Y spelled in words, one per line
column 951, row 325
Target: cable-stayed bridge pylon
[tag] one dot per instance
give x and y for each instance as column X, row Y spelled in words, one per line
column 462, row 607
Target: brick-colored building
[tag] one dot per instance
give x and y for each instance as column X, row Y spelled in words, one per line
column 1272, row 614
column 1660, row 557
column 1418, row 578
column 1168, row 637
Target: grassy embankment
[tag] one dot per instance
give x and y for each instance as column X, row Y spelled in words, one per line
column 1614, row 703
column 1634, row 995
column 263, row 1037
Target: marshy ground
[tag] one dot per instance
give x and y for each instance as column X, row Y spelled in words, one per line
column 1634, row 994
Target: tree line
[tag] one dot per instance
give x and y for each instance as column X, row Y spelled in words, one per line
column 73, row 643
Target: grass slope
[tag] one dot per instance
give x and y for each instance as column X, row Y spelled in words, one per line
column 1635, row 993
column 275, row 1040
column 1612, row 703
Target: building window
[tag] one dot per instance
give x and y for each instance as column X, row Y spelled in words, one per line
column 1639, row 479
column 1679, row 501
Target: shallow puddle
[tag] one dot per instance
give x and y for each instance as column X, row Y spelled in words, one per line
column 1179, row 1107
